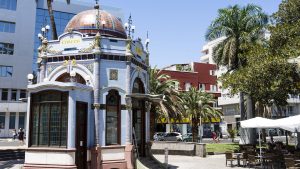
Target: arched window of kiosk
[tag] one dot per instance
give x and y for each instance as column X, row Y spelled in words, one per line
column 49, row 119
column 67, row 78
column 138, row 86
column 113, row 121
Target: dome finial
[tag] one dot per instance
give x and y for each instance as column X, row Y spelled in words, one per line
column 98, row 17
column 96, row 5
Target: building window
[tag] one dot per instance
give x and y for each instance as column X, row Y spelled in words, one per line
column 21, row 120
column 6, row 48
column 212, row 72
column 23, row 94
column 113, row 118
column 13, row 95
column 8, row 4
column 213, row 88
column 6, row 71
column 8, row 27
column 187, row 86
column 4, row 96
column 2, row 120
column 202, row 87
column 49, row 119
column 12, row 121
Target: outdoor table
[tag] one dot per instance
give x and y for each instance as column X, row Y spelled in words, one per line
column 297, row 161
column 264, row 159
column 238, row 157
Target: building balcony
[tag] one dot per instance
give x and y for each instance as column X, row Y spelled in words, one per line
column 205, row 58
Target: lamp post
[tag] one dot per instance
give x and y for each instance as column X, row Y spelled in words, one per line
column 44, row 32
column 30, row 78
column 129, row 27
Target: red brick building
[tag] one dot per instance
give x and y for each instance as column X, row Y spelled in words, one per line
column 199, row 75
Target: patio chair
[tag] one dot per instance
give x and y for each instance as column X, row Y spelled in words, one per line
column 229, row 157
column 290, row 163
column 297, row 155
column 244, row 159
column 252, row 161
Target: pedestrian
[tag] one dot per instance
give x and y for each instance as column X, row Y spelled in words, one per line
column 214, row 136
column 15, row 134
column 21, row 135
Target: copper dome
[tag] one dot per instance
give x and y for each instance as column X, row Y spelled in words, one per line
column 85, row 22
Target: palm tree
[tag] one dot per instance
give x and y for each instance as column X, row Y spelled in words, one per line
column 168, row 107
column 52, row 21
column 197, row 105
column 240, row 27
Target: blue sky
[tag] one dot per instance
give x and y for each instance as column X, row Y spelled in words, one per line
column 177, row 27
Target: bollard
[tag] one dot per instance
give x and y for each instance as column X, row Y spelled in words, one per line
column 166, row 157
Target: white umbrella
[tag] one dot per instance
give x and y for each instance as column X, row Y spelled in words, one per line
column 291, row 123
column 258, row 122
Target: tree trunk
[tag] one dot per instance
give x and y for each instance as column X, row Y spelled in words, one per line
column 248, row 136
column 250, row 114
column 194, row 128
column 52, row 21
column 243, row 117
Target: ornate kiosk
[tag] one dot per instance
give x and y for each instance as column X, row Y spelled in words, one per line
column 89, row 98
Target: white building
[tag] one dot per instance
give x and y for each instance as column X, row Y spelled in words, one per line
column 20, row 22
column 230, row 103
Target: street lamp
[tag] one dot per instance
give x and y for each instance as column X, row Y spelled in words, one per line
column 129, row 27
column 44, row 32
column 30, row 78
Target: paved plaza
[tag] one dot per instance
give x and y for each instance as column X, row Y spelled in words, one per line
column 193, row 162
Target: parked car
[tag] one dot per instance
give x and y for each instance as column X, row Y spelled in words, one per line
column 187, row 137
column 159, row 136
column 173, row 136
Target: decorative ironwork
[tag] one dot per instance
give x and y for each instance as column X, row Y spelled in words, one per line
column 89, row 66
column 88, row 49
column 53, row 52
column 50, row 68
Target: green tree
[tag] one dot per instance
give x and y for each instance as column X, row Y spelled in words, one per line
column 240, row 26
column 168, row 107
column 285, row 32
column 197, row 105
column 267, row 78
column 52, row 21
